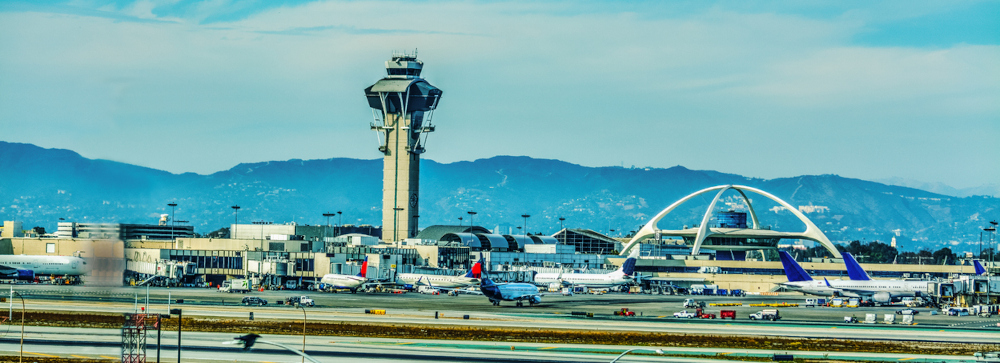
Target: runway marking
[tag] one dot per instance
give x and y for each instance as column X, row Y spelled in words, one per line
column 544, row 348
column 405, row 343
column 44, row 355
column 77, row 356
column 107, row 357
column 725, row 353
column 907, row 358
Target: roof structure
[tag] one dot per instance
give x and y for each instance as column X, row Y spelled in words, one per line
column 437, row 231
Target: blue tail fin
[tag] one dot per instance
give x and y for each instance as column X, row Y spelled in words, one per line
column 792, row 269
column 854, row 270
column 979, row 267
column 629, row 266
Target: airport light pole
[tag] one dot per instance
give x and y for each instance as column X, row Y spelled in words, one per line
column 340, row 219
column 180, row 320
column 992, row 231
column 303, row 332
column 172, row 206
column 561, row 228
column 526, row 216
column 472, row 216
column 20, row 354
column 236, row 221
column 657, row 351
column 460, row 221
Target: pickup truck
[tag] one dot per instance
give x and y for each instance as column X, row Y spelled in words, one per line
column 907, row 312
column 685, row 314
column 692, row 303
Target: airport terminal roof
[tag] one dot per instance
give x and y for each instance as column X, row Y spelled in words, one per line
column 437, row 231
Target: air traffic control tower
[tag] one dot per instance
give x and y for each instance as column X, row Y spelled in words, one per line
column 402, row 104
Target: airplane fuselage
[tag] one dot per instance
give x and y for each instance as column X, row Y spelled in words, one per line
column 589, row 280
column 860, row 289
column 437, row 280
column 46, row 265
column 343, row 281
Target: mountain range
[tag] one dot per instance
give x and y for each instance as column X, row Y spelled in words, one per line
column 39, row 186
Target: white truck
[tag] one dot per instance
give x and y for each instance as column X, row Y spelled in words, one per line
column 235, row 285
column 685, row 314
column 299, row 300
column 766, row 314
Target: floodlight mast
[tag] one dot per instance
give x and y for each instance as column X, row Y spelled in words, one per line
column 402, row 106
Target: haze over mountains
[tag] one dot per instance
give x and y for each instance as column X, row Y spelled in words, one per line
column 38, row 186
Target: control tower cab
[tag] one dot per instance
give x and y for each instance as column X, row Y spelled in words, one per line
column 402, row 105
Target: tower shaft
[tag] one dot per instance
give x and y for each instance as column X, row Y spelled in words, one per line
column 400, row 182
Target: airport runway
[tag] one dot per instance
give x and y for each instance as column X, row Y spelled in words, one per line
column 210, row 347
column 554, row 313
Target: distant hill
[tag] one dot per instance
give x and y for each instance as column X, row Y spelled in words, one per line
column 38, row 186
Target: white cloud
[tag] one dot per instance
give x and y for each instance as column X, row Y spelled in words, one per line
column 524, row 74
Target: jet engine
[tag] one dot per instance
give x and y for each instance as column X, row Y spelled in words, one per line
column 882, row 297
column 536, row 299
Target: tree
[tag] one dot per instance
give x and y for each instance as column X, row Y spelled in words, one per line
column 38, row 230
column 944, row 256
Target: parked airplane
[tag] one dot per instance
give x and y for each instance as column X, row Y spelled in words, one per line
column 622, row 276
column 879, row 291
column 353, row 282
column 469, row 279
column 509, row 291
column 27, row 266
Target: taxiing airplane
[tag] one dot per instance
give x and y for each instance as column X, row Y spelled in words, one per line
column 617, row 278
column 879, row 291
column 28, row 266
column 509, row 291
column 353, row 282
column 469, row 279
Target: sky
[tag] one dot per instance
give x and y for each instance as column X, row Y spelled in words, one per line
column 869, row 90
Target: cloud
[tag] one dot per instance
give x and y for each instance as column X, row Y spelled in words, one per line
column 645, row 84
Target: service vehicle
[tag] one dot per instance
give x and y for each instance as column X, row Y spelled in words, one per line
column 706, row 316
column 235, row 285
column 815, row 302
column 299, row 300
column 692, row 303
column 728, row 314
column 685, row 314
column 907, row 312
column 429, row 290
column 253, row 300
column 624, row 312
column 766, row 314
column 850, row 319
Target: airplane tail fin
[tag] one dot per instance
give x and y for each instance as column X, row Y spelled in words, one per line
column 628, row 268
column 979, row 267
column 364, row 268
column 854, row 270
column 793, row 271
column 476, row 271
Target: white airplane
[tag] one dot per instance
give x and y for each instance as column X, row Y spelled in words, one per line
column 352, row 282
column 620, row 277
column 879, row 291
column 443, row 281
column 28, row 266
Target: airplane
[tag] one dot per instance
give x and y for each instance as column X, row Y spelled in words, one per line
column 353, row 282
column 28, row 266
column 620, row 277
column 509, row 291
column 878, row 291
column 443, row 281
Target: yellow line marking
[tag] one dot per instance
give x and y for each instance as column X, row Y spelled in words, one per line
column 77, row 356
column 547, row 348
column 725, row 353
column 405, row 343
column 107, row 357
column 907, row 358
column 833, row 327
column 44, row 355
